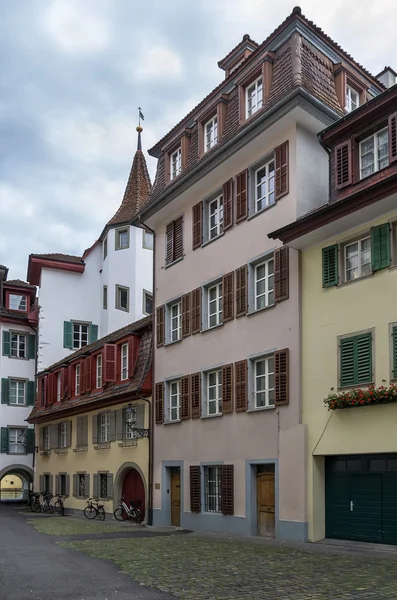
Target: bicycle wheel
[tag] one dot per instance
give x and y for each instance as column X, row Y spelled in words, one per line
column 137, row 518
column 119, row 514
column 90, row 512
column 36, row 506
column 101, row 513
column 59, row 508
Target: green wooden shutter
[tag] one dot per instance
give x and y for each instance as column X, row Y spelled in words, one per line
column 356, row 360
column 380, row 247
column 68, row 334
column 347, row 362
column 6, row 343
column 4, row 440
column 330, row 266
column 5, row 391
column 31, row 390
column 31, row 347
column 394, row 339
column 92, row 333
column 30, row 441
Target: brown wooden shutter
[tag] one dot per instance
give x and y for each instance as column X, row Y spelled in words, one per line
column 393, row 137
column 227, row 489
column 159, row 402
column 160, row 326
column 281, row 376
column 282, row 170
column 197, row 233
column 169, row 243
column 343, row 164
column 195, row 489
column 281, row 274
column 196, row 310
column 228, row 297
column 241, row 385
column 241, row 196
column 185, row 397
column 241, row 291
column 178, row 238
column 227, row 204
column 186, row 316
column 109, row 366
column 195, row 395
column 227, row 389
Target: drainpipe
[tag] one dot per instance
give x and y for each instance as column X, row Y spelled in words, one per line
column 328, row 151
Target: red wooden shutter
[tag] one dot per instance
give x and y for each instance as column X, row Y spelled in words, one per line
column 282, row 170
column 70, row 381
column 281, row 376
column 82, row 376
column 197, row 233
column 195, row 395
column 241, row 385
column 393, row 137
column 343, row 164
column 241, row 291
column 169, row 243
column 178, row 238
column 227, row 204
column 159, row 403
column 88, row 374
column 186, row 317
column 227, row 389
column 227, row 489
column 64, row 382
column 160, row 326
column 185, row 397
column 50, row 388
column 195, row 489
column 241, row 196
column 109, row 367
column 39, row 391
column 228, row 297
column 196, row 310
column 281, row 274
column 133, row 346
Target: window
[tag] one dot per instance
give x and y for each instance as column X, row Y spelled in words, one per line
column 147, row 302
column 105, row 297
column 175, row 163
column 210, row 133
column 215, row 217
column 352, row 99
column 17, row 392
column 18, row 345
column 263, row 388
column 129, row 421
column 355, row 356
column 212, row 488
column 17, row 302
column 214, row 392
column 264, row 284
column 80, row 335
column 59, row 386
column 214, row 301
column 77, row 380
column 358, row 259
column 174, row 400
column 122, row 239
column 175, row 317
column 46, row 438
column 81, row 485
column 253, row 97
column 122, row 298
column 46, row 483
column 264, row 194
column 374, row 153
column 63, row 435
column 98, row 376
column 62, row 484
column 105, row 248
column 16, row 441
column 104, row 421
column 103, row 485
column 174, row 240
column 124, row 361
column 147, row 240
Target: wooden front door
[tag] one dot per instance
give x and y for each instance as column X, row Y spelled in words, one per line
column 134, row 490
column 265, row 504
column 176, row 497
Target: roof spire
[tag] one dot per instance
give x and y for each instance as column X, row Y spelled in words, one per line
column 139, row 128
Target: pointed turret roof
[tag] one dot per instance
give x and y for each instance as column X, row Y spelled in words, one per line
column 138, row 188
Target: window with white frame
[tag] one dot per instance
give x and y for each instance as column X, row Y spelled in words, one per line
column 124, row 361
column 63, row 435
column 264, row 284
column 105, row 297
column 352, row 99
column 147, row 302
column 46, row 438
column 175, row 321
column 212, row 488
column 175, row 163
column 253, row 97
column 17, row 392
column 210, row 133
column 105, row 248
column 80, row 335
column 16, row 441
column 129, row 422
column 174, row 400
column 147, row 240
column 17, row 302
column 104, row 421
column 213, row 381
column 214, row 304
column 374, row 153
column 122, row 298
column 77, row 380
column 98, row 374
column 263, row 191
column 357, row 257
column 18, row 345
column 122, row 238
column 263, row 383
column 59, row 386
column 214, row 217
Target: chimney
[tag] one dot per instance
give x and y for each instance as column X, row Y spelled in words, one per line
column 388, row 77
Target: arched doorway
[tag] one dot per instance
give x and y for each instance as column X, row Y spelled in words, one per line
column 15, row 482
column 131, row 483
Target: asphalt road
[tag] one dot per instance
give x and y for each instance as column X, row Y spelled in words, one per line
column 34, row 567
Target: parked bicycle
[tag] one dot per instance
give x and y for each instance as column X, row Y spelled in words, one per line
column 94, row 510
column 47, row 505
column 131, row 512
column 58, row 505
column 34, row 501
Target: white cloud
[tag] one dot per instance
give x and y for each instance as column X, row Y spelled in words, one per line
column 15, row 204
column 158, row 63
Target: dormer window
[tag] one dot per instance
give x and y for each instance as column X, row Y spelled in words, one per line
column 374, row 153
column 253, row 97
column 176, row 163
column 352, row 99
column 17, row 302
column 210, row 133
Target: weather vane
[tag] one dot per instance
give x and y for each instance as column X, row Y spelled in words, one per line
column 140, row 116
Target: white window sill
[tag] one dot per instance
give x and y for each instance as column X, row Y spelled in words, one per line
column 260, row 409
column 123, row 309
column 174, row 262
column 17, row 405
column 172, row 422
column 205, row 329
column 259, row 310
column 363, row 278
column 169, row 343
column 254, row 214
column 208, row 242
column 211, row 416
column 356, row 386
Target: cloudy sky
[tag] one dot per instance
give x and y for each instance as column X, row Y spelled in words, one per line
column 73, row 72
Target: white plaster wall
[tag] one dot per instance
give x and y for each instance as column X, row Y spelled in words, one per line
column 312, row 172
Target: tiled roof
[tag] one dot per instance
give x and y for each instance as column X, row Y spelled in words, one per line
column 67, row 258
column 245, row 41
column 19, row 283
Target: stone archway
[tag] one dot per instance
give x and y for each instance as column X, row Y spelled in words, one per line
column 131, row 476
column 24, row 473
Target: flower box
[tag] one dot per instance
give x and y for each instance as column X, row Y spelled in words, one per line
column 362, row 397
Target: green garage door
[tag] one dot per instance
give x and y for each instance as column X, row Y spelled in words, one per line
column 361, row 498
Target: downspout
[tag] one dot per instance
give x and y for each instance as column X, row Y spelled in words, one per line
column 328, row 151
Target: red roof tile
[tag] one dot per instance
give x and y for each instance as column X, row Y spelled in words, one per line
column 68, row 258
column 19, row 283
